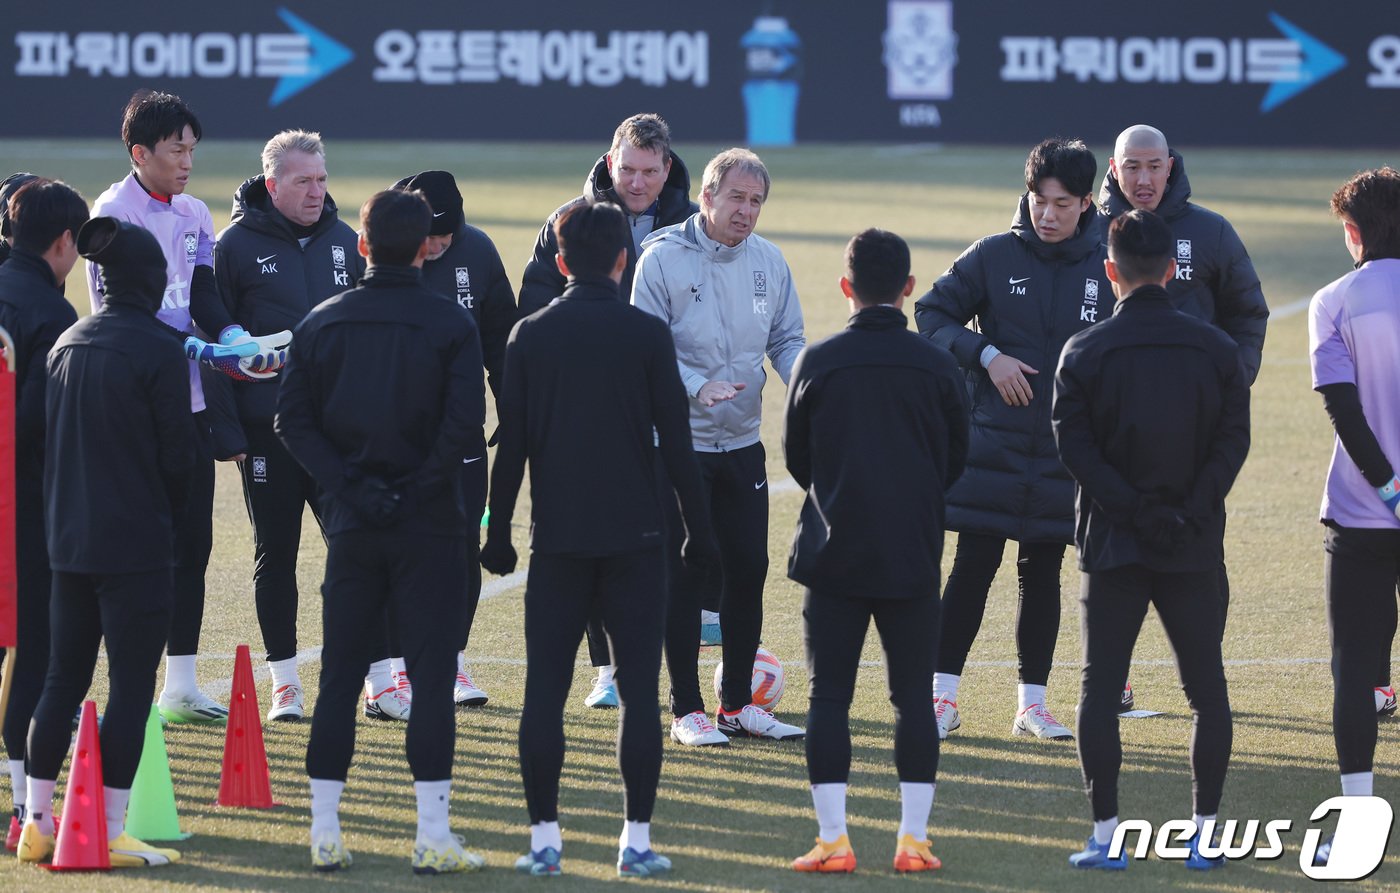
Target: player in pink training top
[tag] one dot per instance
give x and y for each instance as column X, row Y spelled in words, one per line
column 1353, row 330
column 160, row 133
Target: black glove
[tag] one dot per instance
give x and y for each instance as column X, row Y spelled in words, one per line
column 373, row 500
column 498, row 555
column 700, row 551
column 1162, row 528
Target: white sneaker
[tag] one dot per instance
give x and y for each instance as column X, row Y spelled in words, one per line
column 388, row 704
column 195, row 707
column 465, row 692
column 755, row 722
column 1036, row 720
column 696, row 730
column 945, row 713
column 405, row 688
column 287, row 704
column 1385, row 701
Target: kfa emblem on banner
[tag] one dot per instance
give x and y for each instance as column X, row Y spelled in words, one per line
column 921, row 49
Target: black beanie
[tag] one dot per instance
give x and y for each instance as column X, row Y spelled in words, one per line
column 441, row 189
column 11, row 184
column 133, row 266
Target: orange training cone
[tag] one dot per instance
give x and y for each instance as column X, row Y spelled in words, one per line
column 245, row 780
column 82, row 831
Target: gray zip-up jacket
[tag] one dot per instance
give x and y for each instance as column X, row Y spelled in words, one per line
column 726, row 308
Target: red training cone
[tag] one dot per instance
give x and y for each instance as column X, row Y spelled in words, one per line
column 82, row 831
column 245, row 780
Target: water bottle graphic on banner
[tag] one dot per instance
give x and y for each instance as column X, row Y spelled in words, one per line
column 772, row 52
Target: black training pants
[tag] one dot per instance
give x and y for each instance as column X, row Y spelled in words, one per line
column 736, row 485
column 34, row 582
column 416, row 580
column 132, row 612
column 1362, row 569
column 194, row 540
column 560, row 594
column 833, row 627
column 1113, row 604
column 275, row 489
column 975, row 565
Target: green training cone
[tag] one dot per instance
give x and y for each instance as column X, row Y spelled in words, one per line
column 151, row 815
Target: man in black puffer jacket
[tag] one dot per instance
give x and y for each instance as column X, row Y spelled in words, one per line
column 286, row 251
column 1029, row 289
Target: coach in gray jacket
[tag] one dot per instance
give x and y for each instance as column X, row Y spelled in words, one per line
column 728, row 298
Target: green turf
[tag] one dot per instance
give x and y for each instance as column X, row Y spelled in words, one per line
column 1009, row 810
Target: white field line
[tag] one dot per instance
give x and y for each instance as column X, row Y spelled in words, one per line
column 1287, row 310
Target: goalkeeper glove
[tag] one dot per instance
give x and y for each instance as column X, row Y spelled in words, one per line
column 265, row 353
column 227, row 359
column 1390, row 495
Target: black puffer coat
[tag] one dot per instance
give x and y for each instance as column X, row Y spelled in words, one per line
column 1027, row 297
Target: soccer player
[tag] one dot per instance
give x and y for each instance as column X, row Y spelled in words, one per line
column 870, row 535
column 1354, row 324
column 286, row 251
column 119, row 456
column 381, row 400
column 640, row 174
column 464, row 265
column 43, row 220
column 1215, row 279
column 1029, row 290
column 588, row 379
column 1151, row 416
column 160, row 133
column 727, row 296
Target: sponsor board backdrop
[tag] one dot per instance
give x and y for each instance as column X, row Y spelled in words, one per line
column 1248, row 72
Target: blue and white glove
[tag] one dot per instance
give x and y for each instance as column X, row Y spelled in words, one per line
column 265, row 353
column 233, row 361
column 1390, row 495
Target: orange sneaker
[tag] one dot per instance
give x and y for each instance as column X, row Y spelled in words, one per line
column 834, row 856
column 915, row 855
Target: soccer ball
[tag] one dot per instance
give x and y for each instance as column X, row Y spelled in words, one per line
column 767, row 679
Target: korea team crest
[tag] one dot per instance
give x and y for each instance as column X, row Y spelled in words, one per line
column 337, row 255
column 259, row 469
column 339, row 274
column 1183, row 260
column 1089, row 310
column 191, row 246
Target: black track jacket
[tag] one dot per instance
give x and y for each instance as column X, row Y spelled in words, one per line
column 1215, row 279
column 1028, row 297
column 34, row 312
column 120, row 442
column 385, row 380
column 471, row 273
column 875, row 431
column 269, row 282
column 587, row 378
column 1151, row 404
column 543, row 282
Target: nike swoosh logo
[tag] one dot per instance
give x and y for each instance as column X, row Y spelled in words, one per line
column 1018, row 281
column 439, row 213
column 470, row 461
column 263, row 260
column 761, row 484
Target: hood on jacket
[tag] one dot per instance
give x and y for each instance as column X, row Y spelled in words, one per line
column 1087, row 235
column 252, row 207
column 1174, row 197
column 132, row 262
column 674, row 200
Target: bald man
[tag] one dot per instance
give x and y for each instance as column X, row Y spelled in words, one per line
column 1214, row 280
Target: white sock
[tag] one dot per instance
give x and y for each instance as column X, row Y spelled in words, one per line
column 461, row 661
column 1358, row 784
column 1103, row 831
column 605, row 675
column 284, row 672
column 398, row 666
column 378, row 678
column 433, row 799
column 179, row 675
column 1029, row 695
column 115, row 800
column 830, row 803
column 708, row 616
column 40, row 803
column 636, row 835
column 915, row 803
column 1201, row 820
column 546, row 834
column 19, row 783
column 325, row 806
column 945, row 685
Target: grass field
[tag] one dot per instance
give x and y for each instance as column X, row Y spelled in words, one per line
column 1009, row 810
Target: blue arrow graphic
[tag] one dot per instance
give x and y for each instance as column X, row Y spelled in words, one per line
column 326, row 54
column 1319, row 63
